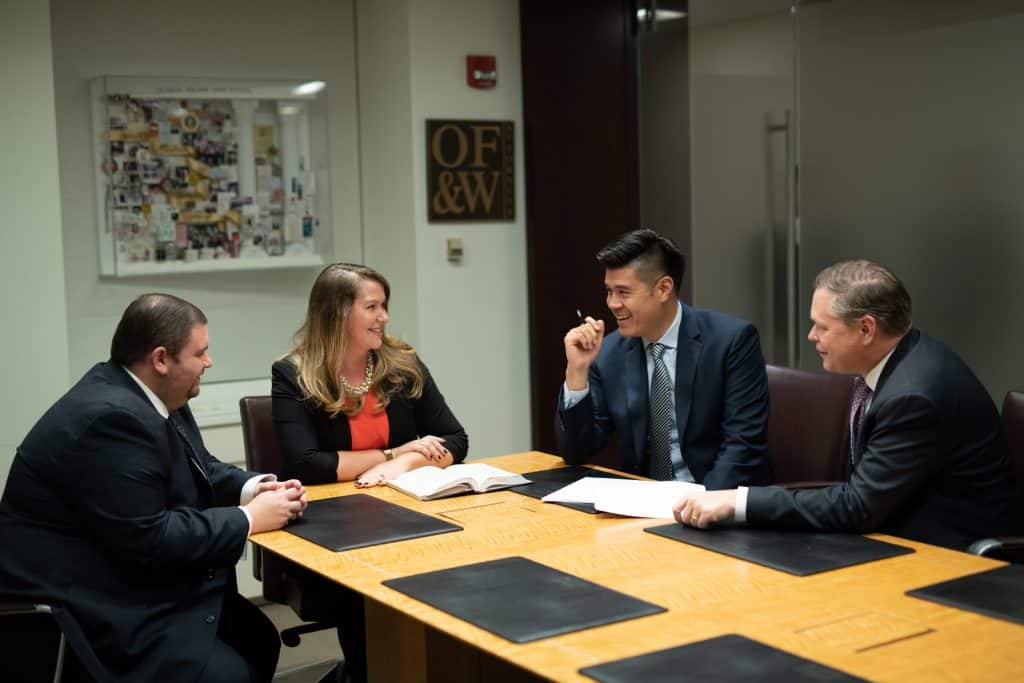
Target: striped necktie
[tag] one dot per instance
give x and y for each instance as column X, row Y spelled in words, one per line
column 659, row 416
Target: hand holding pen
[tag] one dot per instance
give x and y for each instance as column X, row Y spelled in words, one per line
column 582, row 344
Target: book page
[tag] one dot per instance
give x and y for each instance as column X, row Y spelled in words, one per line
column 585, row 490
column 484, row 475
column 652, row 499
column 629, row 497
column 434, row 482
column 427, row 480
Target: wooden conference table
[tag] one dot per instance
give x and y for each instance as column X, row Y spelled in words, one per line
column 855, row 619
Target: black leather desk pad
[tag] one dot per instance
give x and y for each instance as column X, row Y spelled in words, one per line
column 543, row 482
column 995, row 593
column 723, row 659
column 361, row 520
column 794, row 552
column 520, row 599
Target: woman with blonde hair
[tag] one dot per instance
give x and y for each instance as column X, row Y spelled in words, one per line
column 351, row 402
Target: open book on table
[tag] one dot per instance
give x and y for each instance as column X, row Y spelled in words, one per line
column 427, row 483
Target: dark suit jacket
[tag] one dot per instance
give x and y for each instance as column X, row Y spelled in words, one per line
column 105, row 515
column 932, row 464
column 721, row 394
column 309, row 439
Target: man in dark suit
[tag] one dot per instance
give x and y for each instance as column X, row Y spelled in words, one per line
column 929, row 459
column 115, row 513
column 685, row 389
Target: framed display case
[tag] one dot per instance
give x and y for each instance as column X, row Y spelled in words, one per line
column 197, row 174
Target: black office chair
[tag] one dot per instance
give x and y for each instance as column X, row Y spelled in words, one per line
column 1009, row 548
column 283, row 582
column 33, row 643
column 35, row 648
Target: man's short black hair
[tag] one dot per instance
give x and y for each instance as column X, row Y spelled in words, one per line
column 652, row 255
column 150, row 321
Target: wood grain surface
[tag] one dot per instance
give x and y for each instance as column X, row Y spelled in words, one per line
column 856, row 619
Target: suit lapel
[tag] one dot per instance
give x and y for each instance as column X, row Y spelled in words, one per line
column 636, row 395
column 180, row 431
column 904, row 347
column 177, row 428
column 687, row 355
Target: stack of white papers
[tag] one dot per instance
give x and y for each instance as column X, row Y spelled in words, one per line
column 627, row 497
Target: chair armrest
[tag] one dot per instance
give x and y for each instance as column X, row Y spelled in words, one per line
column 792, row 485
column 1008, row 548
column 10, row 608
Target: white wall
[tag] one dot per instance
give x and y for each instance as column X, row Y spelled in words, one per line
column 34, row 341
column 386, row 155
column 473, row 317
column 252, row 314
column 468, row 321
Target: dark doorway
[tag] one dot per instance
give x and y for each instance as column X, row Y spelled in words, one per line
column 592, row 131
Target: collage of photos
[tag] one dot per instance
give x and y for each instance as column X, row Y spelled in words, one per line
column 177, row 188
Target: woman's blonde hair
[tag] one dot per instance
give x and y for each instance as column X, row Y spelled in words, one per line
column 320, row 346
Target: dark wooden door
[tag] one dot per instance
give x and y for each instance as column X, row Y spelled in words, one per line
column 579, row 100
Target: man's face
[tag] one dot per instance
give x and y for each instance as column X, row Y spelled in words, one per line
column 841, row 346
column 637, row 306
column 184, row 371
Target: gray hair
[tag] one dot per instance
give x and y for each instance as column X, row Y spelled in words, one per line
column 866, row 288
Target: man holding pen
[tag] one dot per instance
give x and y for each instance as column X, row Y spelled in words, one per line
column 684, row 389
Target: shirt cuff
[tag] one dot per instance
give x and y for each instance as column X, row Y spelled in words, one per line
column 248, row 518
column 249, row 492
column 572, row 397
column 740, row 516
column 249, row 488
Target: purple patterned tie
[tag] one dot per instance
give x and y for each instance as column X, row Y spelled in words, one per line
column 858, row 406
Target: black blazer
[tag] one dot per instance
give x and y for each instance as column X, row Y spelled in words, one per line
column 932, row 464
column 721, row 397
column 105, row 514
column 309, row 439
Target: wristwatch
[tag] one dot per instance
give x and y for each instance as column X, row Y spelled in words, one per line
column 389, row 454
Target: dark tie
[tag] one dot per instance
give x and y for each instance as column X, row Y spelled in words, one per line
column 659, row 426
column 858, row 407
column 190, row 450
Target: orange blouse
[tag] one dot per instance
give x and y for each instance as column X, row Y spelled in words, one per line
column 369, row 428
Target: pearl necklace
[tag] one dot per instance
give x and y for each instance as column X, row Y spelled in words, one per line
column 365, row 386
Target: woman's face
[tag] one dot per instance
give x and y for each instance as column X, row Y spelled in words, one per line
column 364, row 326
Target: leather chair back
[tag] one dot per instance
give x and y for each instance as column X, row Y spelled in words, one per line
column 808, row 425
column 261, row 452
column 1013, row 428
column 261, row 455
column 282, row 581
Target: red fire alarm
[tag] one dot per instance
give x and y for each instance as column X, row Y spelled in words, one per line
column 481, row 71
